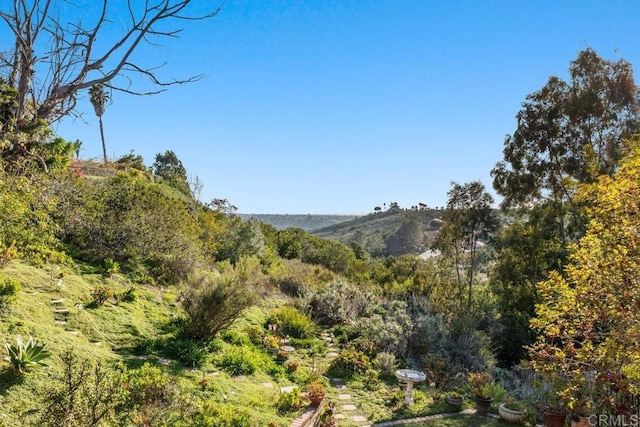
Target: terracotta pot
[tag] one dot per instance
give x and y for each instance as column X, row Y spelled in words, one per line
column 553, row 419
column 482, row 405
column 316, row 399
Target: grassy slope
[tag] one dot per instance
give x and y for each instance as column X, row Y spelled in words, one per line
column 108, row 334
column 383, row 224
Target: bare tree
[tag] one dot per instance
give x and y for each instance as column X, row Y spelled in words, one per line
column 53, row 58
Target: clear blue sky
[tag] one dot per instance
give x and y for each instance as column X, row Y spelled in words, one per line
column 333, row 106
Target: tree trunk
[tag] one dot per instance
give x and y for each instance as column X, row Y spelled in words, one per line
column 104, row 146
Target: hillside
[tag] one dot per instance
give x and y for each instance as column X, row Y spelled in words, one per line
column 306, row 222
column 371, row 231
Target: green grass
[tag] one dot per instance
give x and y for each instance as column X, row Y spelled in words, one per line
column 462, row 421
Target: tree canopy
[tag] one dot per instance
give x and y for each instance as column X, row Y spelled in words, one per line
column 588, row 321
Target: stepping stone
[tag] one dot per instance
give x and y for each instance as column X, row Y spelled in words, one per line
column 57, row 301
column 143, row 357
column 339, row 416
column 79, row 306
column 62, row 311
column 215, row 374
column 341, row 387
column 349, row 407
column 164, row 362
column 240, row 378
column 74, row 332
column 333, row 354
column 337, row 381
column 267, row 385
column 60, row 322
column 97, row 343
column 359, row 418
column 288, row 389
column 344, row 396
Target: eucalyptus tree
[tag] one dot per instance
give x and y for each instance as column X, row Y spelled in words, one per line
column 468, row 219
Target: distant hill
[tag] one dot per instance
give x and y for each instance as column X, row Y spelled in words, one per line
column 306, row 222
column 373, row 230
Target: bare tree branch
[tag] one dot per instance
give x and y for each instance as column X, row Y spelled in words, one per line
column 52, row 58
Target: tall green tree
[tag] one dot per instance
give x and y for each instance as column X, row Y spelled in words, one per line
column 99, row 99
column 468, row 219
column 170, row 168
column 588, row 319
column 569, row 132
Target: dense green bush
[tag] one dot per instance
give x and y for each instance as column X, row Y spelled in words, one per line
column 291, row 322
column 100, row 294
column 388, row 327
column 339, row 302
column 9, row 290
column 213, row 303
column 291, row 401
column 349, row 362
column 83, row 394
column 211, row 413
column 239, row 361
column 189, row 352
column 234, row 337
column 133, row 222
column 147, row 385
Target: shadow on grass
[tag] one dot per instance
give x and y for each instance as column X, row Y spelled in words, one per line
column 8, row 378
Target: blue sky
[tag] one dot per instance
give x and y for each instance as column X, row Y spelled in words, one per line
column 333, row 106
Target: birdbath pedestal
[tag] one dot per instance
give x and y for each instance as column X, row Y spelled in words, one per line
column 409, row 377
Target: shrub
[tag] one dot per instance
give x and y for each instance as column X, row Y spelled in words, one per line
column 7, row 253
column 214, row 302
column 100, row 294
column 291, row 401
column 84, row 394
column 255, row 334
column 339, row 303
column 147, row 385
column 234, row 338
column 212, row 413
column 9, row 289
column 292, row 322
column 110, row 267
column 24, row 356
column 130, row 295
column 349, row 362
column 315, row 390
column 187, row 351
column 239, row 361
column 385, row 362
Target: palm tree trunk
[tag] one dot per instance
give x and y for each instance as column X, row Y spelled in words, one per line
column 104, row 146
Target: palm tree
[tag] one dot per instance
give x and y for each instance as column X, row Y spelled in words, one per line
column 99, row 98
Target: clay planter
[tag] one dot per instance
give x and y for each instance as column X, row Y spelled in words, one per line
column 554, row 419
column 454, row 401
column 510, row 415
column 482, row 405
column 315, row 400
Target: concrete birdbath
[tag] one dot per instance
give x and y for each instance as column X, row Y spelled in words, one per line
column 409, row 377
